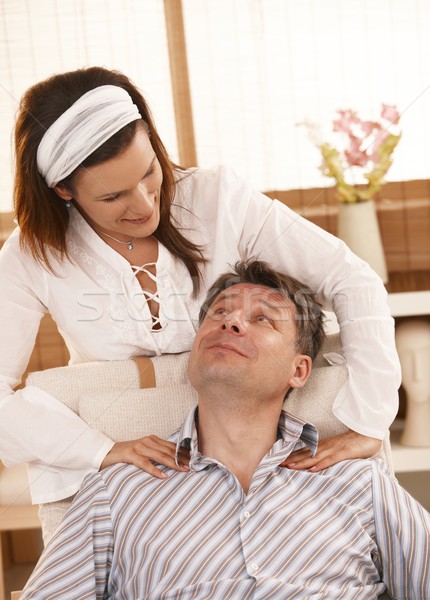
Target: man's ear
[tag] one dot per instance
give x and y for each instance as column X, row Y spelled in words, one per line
column 63, row 192
column 303, row 368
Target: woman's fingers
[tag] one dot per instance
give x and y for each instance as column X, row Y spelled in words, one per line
column 184, row 457
column 332, row 450
column 144, row 452
column 160, row 451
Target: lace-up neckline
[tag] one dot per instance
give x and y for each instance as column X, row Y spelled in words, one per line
column 150, row 296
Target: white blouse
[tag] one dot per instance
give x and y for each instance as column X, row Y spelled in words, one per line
column 102, row 313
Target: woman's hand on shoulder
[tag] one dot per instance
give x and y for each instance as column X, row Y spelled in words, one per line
column 332, row 450
column 144, row 452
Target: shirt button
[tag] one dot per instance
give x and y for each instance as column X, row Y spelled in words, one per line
column 246, row 514
column 254, row 567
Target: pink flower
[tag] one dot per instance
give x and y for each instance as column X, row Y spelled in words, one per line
column 354, row 156
column 356, row 159
column 390, row 112
column 366, row 146
column 345, row 120
column 354, row 143
column 368, row 127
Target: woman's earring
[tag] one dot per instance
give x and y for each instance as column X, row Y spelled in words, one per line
column 68, row 203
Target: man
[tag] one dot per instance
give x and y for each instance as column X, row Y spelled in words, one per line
column 238, row 525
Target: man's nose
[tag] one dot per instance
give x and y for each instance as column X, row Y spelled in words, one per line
column 235, row 323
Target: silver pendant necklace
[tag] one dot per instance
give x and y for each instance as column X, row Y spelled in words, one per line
column 129, row 243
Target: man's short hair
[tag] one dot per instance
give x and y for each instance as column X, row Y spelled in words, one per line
column 309, row 317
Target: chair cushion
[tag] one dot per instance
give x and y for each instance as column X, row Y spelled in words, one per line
column 108, row 396
column 132, row 413
column 135, row 413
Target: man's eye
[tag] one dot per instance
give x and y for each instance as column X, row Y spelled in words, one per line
column 264, row 319
column 219, row 312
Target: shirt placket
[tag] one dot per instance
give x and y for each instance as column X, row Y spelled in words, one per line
column 249, row 518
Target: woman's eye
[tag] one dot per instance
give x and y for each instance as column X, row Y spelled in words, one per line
column 111, row 198
column 149, row 173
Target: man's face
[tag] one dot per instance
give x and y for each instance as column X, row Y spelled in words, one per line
column 247, row 340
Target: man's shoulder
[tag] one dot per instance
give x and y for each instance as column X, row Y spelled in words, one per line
column 119, row 482
column 362, row 468
column 117, row 474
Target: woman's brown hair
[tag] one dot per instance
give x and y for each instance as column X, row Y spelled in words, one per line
column 42, row 217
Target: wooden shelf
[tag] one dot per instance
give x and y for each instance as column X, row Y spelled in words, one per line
column 408, row 304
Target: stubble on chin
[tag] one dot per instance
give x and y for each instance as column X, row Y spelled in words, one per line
column 219, row 376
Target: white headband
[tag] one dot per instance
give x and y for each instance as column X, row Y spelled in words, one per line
column 83, row 128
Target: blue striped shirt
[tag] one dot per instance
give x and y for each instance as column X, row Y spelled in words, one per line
column 347, row 532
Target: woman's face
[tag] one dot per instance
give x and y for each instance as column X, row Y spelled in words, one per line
column 121, row 196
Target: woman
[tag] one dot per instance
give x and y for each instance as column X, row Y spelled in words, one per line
column 119, row 246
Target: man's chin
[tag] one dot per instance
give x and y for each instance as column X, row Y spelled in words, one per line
column 223, row 371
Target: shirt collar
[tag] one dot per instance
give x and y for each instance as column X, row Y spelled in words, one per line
column 291, row 427
column 291, row 430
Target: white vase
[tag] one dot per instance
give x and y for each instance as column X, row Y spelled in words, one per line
column 358, row 227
